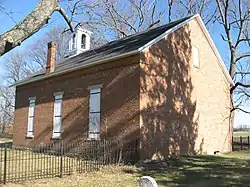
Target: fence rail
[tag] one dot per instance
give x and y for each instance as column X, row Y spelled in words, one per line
column 59, row 159
column 241, row 143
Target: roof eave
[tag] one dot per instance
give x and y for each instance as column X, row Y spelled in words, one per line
column 157, row 39
column 142, row 49
column 20, row 83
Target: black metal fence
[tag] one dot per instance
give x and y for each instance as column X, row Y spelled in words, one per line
column 58, row 159
column 241, row 143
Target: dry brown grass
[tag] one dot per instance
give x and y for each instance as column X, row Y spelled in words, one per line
column 197, row 171
column 25, row 164
column 107, row 177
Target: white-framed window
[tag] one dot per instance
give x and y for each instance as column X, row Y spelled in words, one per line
column 94, row 111
column 83, row 41
column 31, row 114
column 196, row 59
column 57, row 121
column 73, row 43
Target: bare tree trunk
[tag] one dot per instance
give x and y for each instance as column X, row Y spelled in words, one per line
column 30, row 25
column 120, row 154
column 234, row 17
column 231, row 120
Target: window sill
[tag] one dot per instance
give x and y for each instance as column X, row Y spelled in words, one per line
column 93, row 139
column 56, row 138
column 29, row 137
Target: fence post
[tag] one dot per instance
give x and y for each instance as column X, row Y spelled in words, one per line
column 232, row 143
column 137, row 149
column 5, row 163
column 104, row 151
column 61, row 160
column 248, row 142
column 241, row 143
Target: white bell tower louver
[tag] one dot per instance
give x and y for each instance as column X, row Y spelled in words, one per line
column 79, row 41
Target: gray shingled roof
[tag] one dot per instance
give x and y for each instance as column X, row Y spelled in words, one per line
column 111, row 49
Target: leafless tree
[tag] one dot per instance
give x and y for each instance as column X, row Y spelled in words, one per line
column 16, row 67
column 117, row 18
column 6, row 107
column 206, row 8
column 31, row 24
column 16, row 70
column 235, row 20
column 20, row 64
column 37, row 55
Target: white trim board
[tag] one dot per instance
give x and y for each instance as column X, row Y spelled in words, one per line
column 157, row 39
column 211, row 42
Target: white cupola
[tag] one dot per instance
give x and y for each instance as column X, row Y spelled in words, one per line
column 79, row 41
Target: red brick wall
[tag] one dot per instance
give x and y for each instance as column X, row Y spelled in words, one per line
column 180, row 111
column 158, row 95
column 119, row 103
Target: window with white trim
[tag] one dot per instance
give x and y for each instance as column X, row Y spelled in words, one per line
column 195, row 54
column 73, row 43
column 83, row 41
column 57, row 121
column 31, row 113
column 94, row 112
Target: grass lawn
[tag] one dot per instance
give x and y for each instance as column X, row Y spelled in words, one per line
column 3, row 140
column 196, row 171
column 24, row 165
column 241, row 133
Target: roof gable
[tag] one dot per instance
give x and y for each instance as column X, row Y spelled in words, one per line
column 208, row 37
column 117, row 49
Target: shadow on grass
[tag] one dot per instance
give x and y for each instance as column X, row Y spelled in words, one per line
column 199, row 171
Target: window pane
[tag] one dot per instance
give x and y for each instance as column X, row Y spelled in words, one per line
column 83, row 42
column 94, row 113
column 94, row 135
column 73, row 41
column 58, row 108
column 57, row 124
column 58, row 97
column 95, row 102
column 30, row 133
column 95, row 90
column 31, row 109
column 94, row 122
column 30, row 124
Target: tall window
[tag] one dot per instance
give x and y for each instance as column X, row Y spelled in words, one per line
column 57, row 122
column 195, row 54
column 30, row 129
column 83, row 41
column 94, row 112
column 73, row 44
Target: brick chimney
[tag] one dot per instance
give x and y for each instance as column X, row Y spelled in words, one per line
column 51, row 58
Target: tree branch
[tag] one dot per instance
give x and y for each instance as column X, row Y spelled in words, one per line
column 30, row 25
column 242, row 73
column 239, row 84
column 64, row 15
column 237, row 108
column 243, row 55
